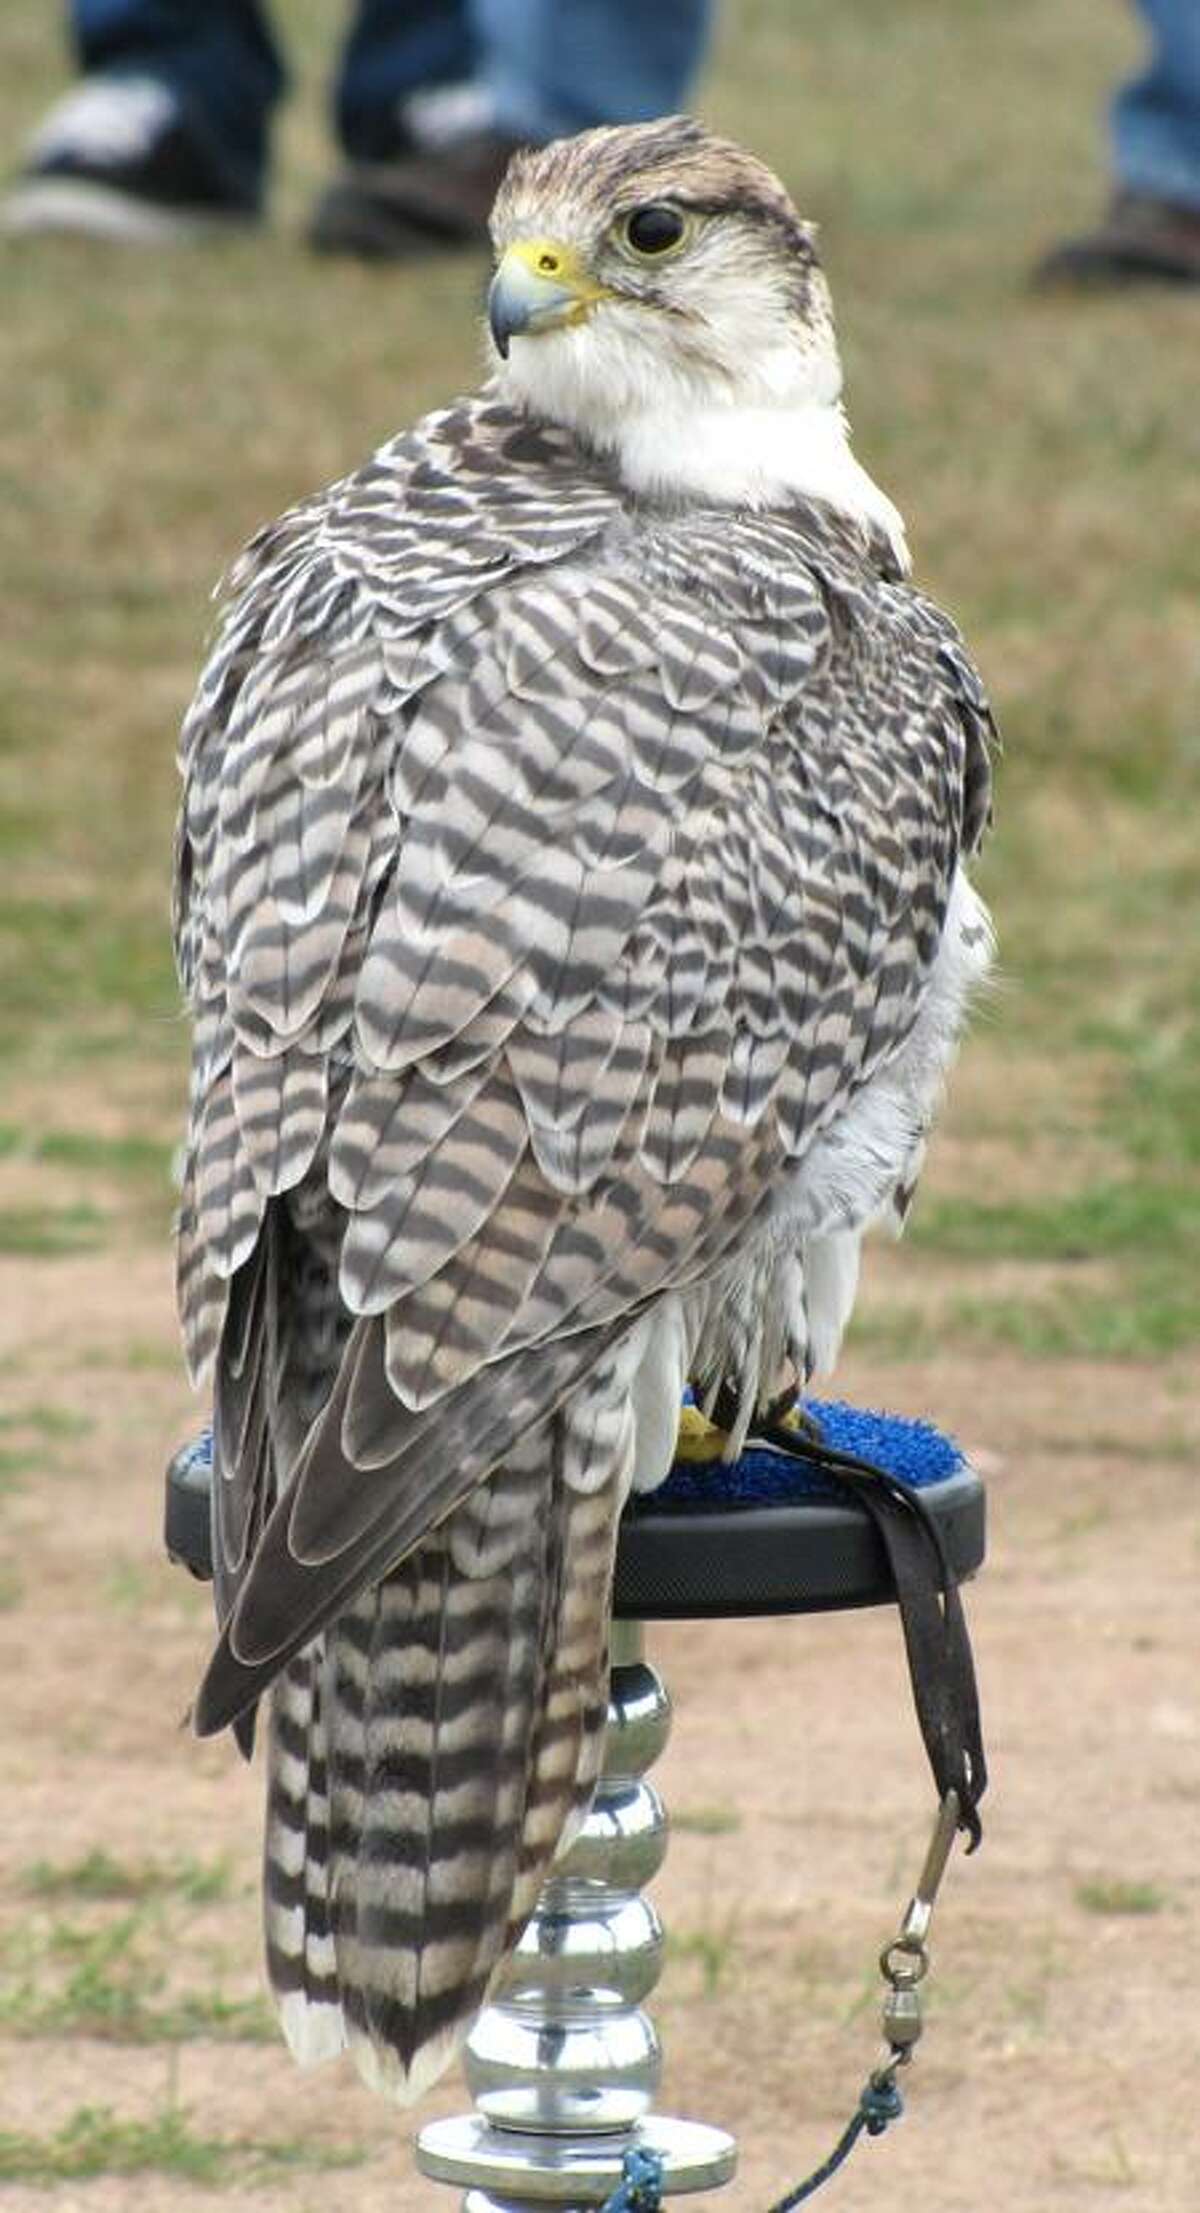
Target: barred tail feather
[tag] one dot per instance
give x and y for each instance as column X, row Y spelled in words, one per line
column 428, row 1810
column 301, row 1959
column 568, row 1742
column 429, row 1754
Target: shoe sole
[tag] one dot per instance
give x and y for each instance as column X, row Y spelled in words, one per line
column 1113, row 265
column 77, row 208
column 352, row 222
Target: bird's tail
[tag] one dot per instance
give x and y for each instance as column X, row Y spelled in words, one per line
column 430, row 1751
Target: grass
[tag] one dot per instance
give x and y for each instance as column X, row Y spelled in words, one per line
column 14, row 1467
column 1096, row 1223
column 1147, row 1226
column 1029, row 1993
column 70, row 1979
column 136, row 1356
column 95, row 2141
column 50, row 1233
column 1116, row 1897
column 60, row 1174
column 706, row 1820
column 1040, row 446
column 128, row 1585
column 119, row 1977
column 30, row 1442
column 712, row 1950
column 96, row 1874
column 1153, row 1314
column 131, row 1156
column 1111, row 2167
column 48, row 1422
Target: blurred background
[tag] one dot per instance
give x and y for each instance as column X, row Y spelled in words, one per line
column 156, row 407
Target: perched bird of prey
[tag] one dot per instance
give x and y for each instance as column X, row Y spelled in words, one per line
column 571, row 906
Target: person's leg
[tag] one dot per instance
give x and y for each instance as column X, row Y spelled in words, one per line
column 423, row 159
column 216, row 56
column 557, row 66
column 434, row 100
column 1156, row 117
column 1151, row 230
column 397, row 48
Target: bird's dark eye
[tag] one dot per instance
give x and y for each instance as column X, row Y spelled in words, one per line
column 654, row 230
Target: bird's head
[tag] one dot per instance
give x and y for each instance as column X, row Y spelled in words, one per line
column 655, row 264
column 657, row 294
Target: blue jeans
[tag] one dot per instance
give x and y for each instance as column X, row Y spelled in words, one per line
column 550, row 66
column 1156, row 117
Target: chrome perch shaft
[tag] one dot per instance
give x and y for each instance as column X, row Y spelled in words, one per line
column 563, row 2064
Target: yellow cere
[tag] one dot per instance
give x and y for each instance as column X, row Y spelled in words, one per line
column 556, row 264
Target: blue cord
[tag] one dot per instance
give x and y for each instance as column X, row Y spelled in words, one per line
column 640, row 2189
column 879, row 2105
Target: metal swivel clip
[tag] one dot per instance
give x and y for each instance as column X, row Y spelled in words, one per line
column 904, row 1962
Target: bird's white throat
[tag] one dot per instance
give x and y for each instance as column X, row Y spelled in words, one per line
column 675, row 436
column 748, row 456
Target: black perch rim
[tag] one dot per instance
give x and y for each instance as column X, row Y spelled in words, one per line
column 810, row 1555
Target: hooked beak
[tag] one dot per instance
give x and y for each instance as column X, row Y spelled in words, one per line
column 538, row 286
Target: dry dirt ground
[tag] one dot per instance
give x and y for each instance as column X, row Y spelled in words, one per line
column 1059, row 2067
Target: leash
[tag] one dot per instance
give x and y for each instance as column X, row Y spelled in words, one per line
column 945, row 1695
column 903, row 1964
column 937, row 1644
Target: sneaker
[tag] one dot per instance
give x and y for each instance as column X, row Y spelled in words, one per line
column 1140, row 240
column 117, row 159
column 428, row 200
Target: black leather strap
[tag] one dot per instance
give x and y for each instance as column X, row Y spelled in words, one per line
column 940, row 1662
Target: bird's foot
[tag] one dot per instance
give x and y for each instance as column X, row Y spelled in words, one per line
column 705, row 1433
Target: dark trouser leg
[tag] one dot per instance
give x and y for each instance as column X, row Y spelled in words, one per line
column 1156, row 117
column 217, row 56
column 558, row 66
column 396, row 48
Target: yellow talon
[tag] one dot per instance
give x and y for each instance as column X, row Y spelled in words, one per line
column 698, row 1438
column 795, row 1418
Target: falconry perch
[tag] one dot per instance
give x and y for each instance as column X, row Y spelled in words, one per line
column 571, row 906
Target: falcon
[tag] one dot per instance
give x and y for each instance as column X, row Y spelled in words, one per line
column 571, row 907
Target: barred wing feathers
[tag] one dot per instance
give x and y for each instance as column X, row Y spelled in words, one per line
column 551, row 874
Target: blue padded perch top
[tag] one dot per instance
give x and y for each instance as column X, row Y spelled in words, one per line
column 914, row 1451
